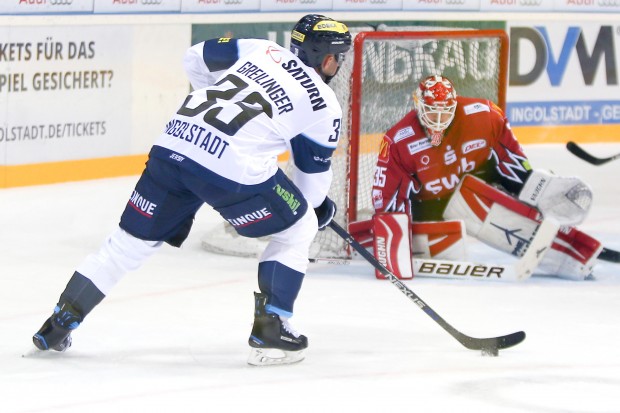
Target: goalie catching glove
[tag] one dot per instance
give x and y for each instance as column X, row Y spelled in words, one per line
column 565, row 199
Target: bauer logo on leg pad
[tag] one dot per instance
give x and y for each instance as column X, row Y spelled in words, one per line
column 457, row 269
column 392, row 243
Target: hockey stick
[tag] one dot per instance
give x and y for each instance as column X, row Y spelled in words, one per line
column 487, row 345
column 609, row 255
column 582, row 154
column 458, row 270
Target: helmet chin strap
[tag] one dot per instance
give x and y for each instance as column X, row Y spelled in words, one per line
column 326, row 78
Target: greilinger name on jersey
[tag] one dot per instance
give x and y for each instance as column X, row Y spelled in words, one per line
column 276, row 93
column 195, row 134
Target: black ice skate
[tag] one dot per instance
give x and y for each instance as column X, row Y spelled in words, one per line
column 55, row 334
column 273, row 340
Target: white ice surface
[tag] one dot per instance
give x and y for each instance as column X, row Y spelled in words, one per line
column 172, row 336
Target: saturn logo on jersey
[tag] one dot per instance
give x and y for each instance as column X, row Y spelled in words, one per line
column 250, row 218
column 142, row 205
column 298, row 73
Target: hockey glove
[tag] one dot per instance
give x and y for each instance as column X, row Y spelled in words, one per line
column 325, row 213
column 566, row 199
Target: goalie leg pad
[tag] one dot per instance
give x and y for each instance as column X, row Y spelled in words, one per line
column 361, row 231
column 502, row 222
column 392, row 243
column 572, row 255
column 439, row 239
column 492, row 216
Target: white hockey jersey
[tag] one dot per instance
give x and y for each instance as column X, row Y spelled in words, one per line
column 253, row 100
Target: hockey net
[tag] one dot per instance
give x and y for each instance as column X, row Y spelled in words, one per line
column 375, row 86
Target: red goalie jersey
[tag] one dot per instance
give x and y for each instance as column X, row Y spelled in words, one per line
column 423, row 158
column 417, row 177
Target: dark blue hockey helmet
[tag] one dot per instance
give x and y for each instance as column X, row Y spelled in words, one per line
column 315, row 36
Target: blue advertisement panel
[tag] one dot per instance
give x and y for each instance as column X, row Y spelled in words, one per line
column 563, row 81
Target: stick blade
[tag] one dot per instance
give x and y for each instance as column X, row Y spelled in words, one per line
column 581, row 154
column 497, row 343
column 609, row 255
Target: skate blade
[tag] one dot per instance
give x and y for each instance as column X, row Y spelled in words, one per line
column 274, row 357
column 34, row 352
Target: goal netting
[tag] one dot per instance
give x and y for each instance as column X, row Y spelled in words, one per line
column 375, row 86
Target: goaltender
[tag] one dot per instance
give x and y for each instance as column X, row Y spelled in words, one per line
column 454, row 160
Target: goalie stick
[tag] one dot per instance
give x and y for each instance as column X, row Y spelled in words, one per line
column 580, row 153
column 606, row 254
column 609, row 255
column 490, row 345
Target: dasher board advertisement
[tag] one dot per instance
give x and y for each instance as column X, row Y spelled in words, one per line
column 296, row 5
column 45, row 6
column 62, row 92
column 209, row 6
column 565, row 74
column 137, row 6
column 361, row 5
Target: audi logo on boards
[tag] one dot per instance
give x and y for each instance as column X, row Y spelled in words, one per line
column 530, row 2
column 455, row 2
column 150, row 2
column 368, row 1
column 609, row 3
column 61, row 2
column 233, row 1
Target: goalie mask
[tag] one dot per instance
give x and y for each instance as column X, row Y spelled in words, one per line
column 315, row 36
column 435, row 102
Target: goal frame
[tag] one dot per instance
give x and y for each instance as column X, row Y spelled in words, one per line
column 356, row 90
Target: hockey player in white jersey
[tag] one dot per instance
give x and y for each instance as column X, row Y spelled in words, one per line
column 252, row 101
